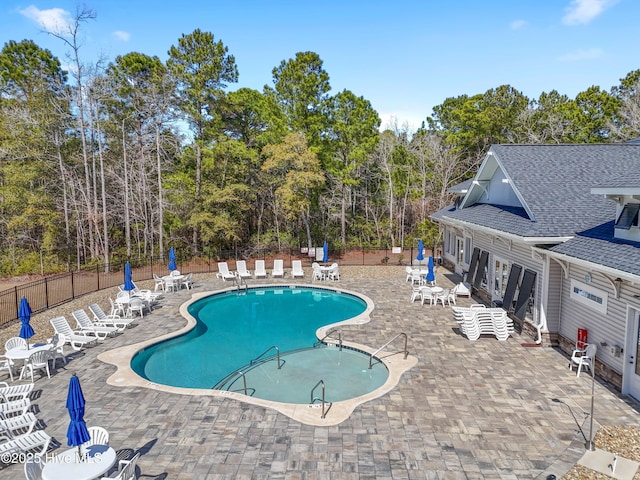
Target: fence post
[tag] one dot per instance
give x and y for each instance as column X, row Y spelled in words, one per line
column 73, row 289
column 98, row 276
column 46, row 291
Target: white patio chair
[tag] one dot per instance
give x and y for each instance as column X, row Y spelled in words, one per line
column 57, row 349
column 158, row 283
column 416, row 293
column 126, row 469
column 171, row 284
column 15, row 342
column 10, row 393
column 584, row 359
column 8, row 365
column 223, row 272
column 317, row 273
column 334, row 273
column 98, row 436
column 117, row 309
column 136, row 305
column 187, row 281
column 428, row 295
column 76, row 338
column 86, row 325
column 260, row 271
column 278, row 268
column 296, row 269
column 38, row 360
column 241, row 269
column 36, row 442
column 443, row 297
column 33, row 468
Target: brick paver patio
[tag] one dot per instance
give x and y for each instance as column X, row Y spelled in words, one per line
column 467, row 410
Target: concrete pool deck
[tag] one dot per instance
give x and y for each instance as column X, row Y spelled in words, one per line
column 466, row 410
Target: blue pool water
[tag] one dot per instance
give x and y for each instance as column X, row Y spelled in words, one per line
column 234, row 328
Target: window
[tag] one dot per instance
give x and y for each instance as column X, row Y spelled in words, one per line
column 467, row 250
column 446, row 241
column 587, row 295
column 459, row 250
column 629, row 216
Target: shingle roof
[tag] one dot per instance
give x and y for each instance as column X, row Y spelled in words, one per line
column 598, row 245
column 555, row 182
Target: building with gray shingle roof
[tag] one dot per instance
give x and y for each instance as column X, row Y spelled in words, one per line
column 565, row 219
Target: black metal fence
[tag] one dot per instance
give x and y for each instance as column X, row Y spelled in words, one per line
column 57, row 289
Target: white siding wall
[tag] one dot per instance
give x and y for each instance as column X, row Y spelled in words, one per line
column 608, row 328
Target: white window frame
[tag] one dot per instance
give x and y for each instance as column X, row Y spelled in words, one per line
column 593, row 298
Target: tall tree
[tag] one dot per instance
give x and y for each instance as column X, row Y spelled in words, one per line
column 301, row 86
column 202, row 69
column 296, row 175
column 353, row 135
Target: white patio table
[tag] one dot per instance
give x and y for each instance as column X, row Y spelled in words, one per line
column 21, row 354
column 66, row 465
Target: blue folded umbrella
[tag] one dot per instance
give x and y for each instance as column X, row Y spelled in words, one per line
column 420, row 256
column 77, row 433
column 24, row 313
column 128, row 283
column 172, row 259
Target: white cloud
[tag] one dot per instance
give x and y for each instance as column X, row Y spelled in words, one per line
column 122, row 35
column 583, row 11
column 517, row 24
column 54, row 20
column 580, row 55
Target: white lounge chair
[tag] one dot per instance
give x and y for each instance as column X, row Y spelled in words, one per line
column 260, row 271
column 278, row 268
column 111, row 320
column 296, row 269
column 20, row 424
column 241, row 269
column 15, row 408
column 462, row 289
column 36, row 442
column 77, row 339
column 223, row 272
column 86, row 325
column 15, row 392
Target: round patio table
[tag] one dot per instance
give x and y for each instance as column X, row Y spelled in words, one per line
column 66, row 465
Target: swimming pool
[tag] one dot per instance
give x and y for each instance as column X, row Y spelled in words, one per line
column 235, row 328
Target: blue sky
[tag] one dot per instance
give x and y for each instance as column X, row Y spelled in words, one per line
column 405, row 57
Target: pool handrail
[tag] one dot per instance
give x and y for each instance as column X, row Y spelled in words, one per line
column 405, row 351
column 255, row 360
column 331, row 332
column 313, row 399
